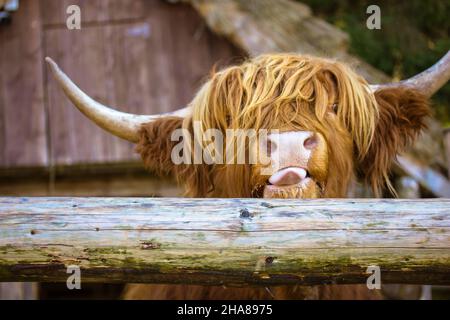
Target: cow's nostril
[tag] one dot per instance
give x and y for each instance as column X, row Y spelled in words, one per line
column 311, row 142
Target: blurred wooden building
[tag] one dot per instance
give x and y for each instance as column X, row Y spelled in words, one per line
column 139, row 56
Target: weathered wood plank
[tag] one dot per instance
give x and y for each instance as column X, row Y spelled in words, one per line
column 22, row 111
column 225, row 241
column 148, row 65
column 110, row 185
column 90, row 59
column 98, row 11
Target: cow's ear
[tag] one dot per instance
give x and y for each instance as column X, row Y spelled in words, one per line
column 155, row 144
column 402, row 115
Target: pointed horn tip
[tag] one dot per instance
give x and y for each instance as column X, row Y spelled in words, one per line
column 51, row 63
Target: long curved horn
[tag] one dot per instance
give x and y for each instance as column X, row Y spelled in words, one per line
column 428, row 81
column 121, row 124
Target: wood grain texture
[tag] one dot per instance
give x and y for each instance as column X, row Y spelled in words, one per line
column 139, row 56
column 225, row 241
column 147, row 65
column 89, row 58
column 22, row 111
column 110, row 185
column 97, row 11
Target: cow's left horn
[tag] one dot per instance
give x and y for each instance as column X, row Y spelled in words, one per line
column 428, row 81
column 121, row 124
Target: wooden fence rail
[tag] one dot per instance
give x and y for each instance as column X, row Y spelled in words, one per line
column 225, row 241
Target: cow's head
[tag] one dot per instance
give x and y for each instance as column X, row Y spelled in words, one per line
column 322, row 125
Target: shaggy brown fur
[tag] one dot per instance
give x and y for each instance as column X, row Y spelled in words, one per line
column 155, row 145
column 193, row 292
column 362, row 131
column 401, row 118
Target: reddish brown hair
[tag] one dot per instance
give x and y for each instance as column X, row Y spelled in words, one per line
column 291, row 93
column 402, row 115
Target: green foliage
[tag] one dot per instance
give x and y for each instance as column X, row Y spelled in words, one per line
column 414, row 35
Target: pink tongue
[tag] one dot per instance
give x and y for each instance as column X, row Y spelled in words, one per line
column 288, row 176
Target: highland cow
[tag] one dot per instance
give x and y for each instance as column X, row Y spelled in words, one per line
column 331, row 128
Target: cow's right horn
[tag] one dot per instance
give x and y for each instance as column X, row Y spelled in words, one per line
column 427, row 82
column 121, row 124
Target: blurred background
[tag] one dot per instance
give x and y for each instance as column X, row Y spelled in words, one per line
column 150, row 56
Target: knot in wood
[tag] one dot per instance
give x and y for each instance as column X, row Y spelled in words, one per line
column 244, row 213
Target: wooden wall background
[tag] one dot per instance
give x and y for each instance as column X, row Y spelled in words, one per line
column 141, row 56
